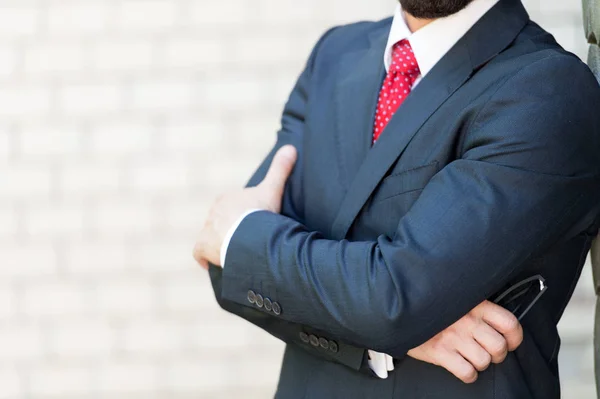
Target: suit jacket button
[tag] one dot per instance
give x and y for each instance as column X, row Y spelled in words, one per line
column 304, row 337
column 324, row 343
column 268, row 305
column 333, row 347
column 314, row 341
column 276, row 308
column 259, row 300
column 251, row 297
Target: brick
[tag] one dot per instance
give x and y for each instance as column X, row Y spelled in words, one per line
column 194, row 52
column 60, row 380
column 259, row 133
column 223, row 334
column 20, row 342
column 55, row 298
column 21, row 261
column 203, row 374
column 8, row 55
column 9, row 222
column 125, row 297
column 77, row 180
column 7, row 305
column 563, row 7
column 236, row 92
column 54, row 221
column 48, row 57
column 12, row 383
column 232, row 391
column 160, row 175
column 24, row 101
column 190, row 292
column 77, row 18
column 125, row 138
column 90, row 99
column 96, row 258
column 147, row 14
column 193, row 136
column 44, row 141
column 124, row 219
column 186, row 216
column 24, row 182
column 253, row 50
column 231, row 174
column 165, row 255
column 19, row 20
column 132, row 377
column 360, row 11
column 162, row 95
column 154, row 337
column 83, row 338
column 5, row 144
column 258, row 372
column 293, row 13
column 233, row 13
column 122, row 55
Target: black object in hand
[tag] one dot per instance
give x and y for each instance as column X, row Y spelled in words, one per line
column 521, row 297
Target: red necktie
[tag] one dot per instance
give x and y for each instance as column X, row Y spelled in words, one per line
column 397, row 85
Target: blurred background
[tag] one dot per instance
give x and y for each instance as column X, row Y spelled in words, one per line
column 120, row 120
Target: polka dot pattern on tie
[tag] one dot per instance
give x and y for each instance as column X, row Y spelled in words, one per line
column 397, row 85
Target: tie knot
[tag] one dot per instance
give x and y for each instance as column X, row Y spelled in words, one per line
column 403, row 60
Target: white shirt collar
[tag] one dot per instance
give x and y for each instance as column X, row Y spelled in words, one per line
column 433, row 41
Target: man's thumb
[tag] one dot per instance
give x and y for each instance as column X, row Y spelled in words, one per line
column 281, row 168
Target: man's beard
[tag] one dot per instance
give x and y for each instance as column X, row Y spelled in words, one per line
column 430, row 9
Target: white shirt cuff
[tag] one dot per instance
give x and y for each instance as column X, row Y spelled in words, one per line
column 230, row 234
column 380, row 363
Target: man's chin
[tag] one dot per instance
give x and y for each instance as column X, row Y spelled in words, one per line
column 432, row 9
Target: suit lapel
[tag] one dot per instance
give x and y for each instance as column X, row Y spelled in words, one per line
column 361, row 75
column 487, row 38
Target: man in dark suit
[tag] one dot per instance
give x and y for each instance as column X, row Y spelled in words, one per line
column 442, row 155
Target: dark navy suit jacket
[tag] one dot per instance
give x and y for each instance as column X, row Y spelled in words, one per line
column 487, row 174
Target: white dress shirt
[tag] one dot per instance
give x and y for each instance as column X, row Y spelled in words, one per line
column 429, row 45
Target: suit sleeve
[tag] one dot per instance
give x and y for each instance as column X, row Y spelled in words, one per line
column 529, row 176
column 292, row 127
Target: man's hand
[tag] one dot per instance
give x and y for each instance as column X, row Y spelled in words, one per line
column 485, row 335
column 229, row 207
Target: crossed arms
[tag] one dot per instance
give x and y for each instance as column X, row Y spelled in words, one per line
column 518, row 174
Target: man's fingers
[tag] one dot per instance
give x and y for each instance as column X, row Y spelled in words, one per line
column 472, row 352
column 281, row 168
column 197, row 253
column 492, row 341
column 457, row 365
column 203, row 264
column 505, row 323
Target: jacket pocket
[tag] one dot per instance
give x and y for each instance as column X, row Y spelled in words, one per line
column 405, row 181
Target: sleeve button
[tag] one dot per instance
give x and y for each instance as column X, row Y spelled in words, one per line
column 276, row 308
column 324, row 343
column 268, row 305
column 333, row 347
column 259, row 300
column 304, row 337
column 251, row 297
column 314, row 341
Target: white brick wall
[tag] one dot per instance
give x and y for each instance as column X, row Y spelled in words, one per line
column 119, row 121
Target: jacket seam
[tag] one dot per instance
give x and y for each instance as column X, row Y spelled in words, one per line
column 412, row 169
column 493, row 94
